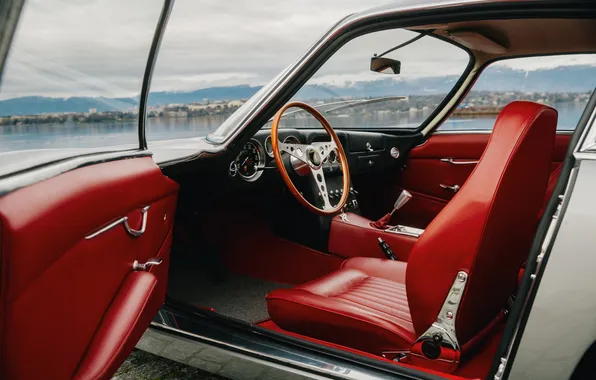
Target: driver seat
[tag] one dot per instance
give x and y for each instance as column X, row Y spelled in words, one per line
column 461, row 272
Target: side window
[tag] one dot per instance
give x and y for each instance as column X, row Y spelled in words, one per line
column 73, row 74
column 563, row 82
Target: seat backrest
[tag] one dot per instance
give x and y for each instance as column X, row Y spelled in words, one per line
column 487, row 228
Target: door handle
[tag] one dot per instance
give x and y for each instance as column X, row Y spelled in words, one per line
column 453, row 162
column 132, row 231
column 136, row 266
column 124, row 221
column 454, row 188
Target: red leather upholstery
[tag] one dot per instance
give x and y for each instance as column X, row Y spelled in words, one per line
column 117, row 325
column 57, row 285
column 356, row 238
column 364, row 302
column 486, row 231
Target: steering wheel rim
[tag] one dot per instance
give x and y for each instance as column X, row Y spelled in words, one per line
column 305, row 154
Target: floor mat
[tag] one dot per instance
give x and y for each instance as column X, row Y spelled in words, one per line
column 207, row 284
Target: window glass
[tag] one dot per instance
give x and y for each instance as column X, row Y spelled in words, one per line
column 350, row 95
column 74, row 72
column 563, row 82
column 214, row 57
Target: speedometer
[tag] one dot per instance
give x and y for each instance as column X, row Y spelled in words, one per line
column 248, row 161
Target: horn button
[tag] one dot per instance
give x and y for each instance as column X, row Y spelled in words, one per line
column 314, row 158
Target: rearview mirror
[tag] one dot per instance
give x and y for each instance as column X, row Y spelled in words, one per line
column 385, row 65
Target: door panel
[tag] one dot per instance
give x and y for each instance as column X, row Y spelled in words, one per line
column 427, row 168
column 58, row 286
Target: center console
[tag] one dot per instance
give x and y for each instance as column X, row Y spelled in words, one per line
column 352, row 235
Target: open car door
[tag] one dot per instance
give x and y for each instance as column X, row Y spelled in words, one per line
column 76, row 295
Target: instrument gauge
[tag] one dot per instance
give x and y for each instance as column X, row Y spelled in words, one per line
column 269, row 147
column 248, row 161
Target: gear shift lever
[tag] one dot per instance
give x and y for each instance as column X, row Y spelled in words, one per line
column 403, row 198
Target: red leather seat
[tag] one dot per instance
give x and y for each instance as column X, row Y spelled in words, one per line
column 486, row 231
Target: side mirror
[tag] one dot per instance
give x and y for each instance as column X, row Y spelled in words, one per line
column 385, row 65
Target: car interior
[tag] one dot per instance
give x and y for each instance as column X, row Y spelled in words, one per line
column 402, row 245
column 425, row 216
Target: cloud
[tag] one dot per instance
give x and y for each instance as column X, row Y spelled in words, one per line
column 99, row 47
column 67, row 48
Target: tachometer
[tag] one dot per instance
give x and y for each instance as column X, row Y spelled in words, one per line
column 249, row 159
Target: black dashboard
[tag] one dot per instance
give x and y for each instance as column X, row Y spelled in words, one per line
column 365, row 151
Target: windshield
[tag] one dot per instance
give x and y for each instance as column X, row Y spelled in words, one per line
column 351, row 96
column 74, row 73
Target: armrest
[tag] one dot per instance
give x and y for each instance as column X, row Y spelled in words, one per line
column 121, row 328
column 357, row 238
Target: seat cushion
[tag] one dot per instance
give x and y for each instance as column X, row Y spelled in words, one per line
column 362, row 305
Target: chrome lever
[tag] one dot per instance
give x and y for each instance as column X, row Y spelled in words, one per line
column 132, row 231
column 136, row 266
column 453, row 162
column 454, row 188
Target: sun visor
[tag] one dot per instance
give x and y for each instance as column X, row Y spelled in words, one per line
column 477, row 41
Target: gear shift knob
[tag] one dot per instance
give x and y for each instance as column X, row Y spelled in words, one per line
column 403, row 198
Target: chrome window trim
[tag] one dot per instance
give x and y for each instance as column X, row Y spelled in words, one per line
column 149, row 68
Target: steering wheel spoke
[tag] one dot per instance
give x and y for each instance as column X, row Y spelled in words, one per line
column 295, row 150
column 319, row 177
column 324, row 148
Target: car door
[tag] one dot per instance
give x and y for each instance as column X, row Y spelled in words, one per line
column 436, row 169
column 74, row 303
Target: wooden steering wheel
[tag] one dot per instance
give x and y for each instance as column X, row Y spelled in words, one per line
column 312, row 156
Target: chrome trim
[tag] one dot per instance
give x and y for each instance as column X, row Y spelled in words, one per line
column 300, row 167
column 132, row 231
column 233, row 169
column 453, row 162
column 444, row 325
column 405, row 230
column 454, row 188
column 308, row 364
column 296, row 140
column 124, row 221
column 261, row 162
column 270, row 154
column 136, row 266
column 148, row 75
column 106, row 228
column 394, row 152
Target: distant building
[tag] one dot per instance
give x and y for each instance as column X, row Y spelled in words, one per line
column 92, row 110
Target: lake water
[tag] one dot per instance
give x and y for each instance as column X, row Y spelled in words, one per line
column 88, row 135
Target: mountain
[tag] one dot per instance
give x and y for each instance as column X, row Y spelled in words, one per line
column 560, row 79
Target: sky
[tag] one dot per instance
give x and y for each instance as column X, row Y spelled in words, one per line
column 68, row 48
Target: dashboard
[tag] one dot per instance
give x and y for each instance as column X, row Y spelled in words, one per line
column 365, row 151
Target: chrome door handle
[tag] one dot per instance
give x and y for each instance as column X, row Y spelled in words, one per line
column 454, row 188
column 124, row 221
column 453, row 162
column 132, row 231
column 136, row 266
